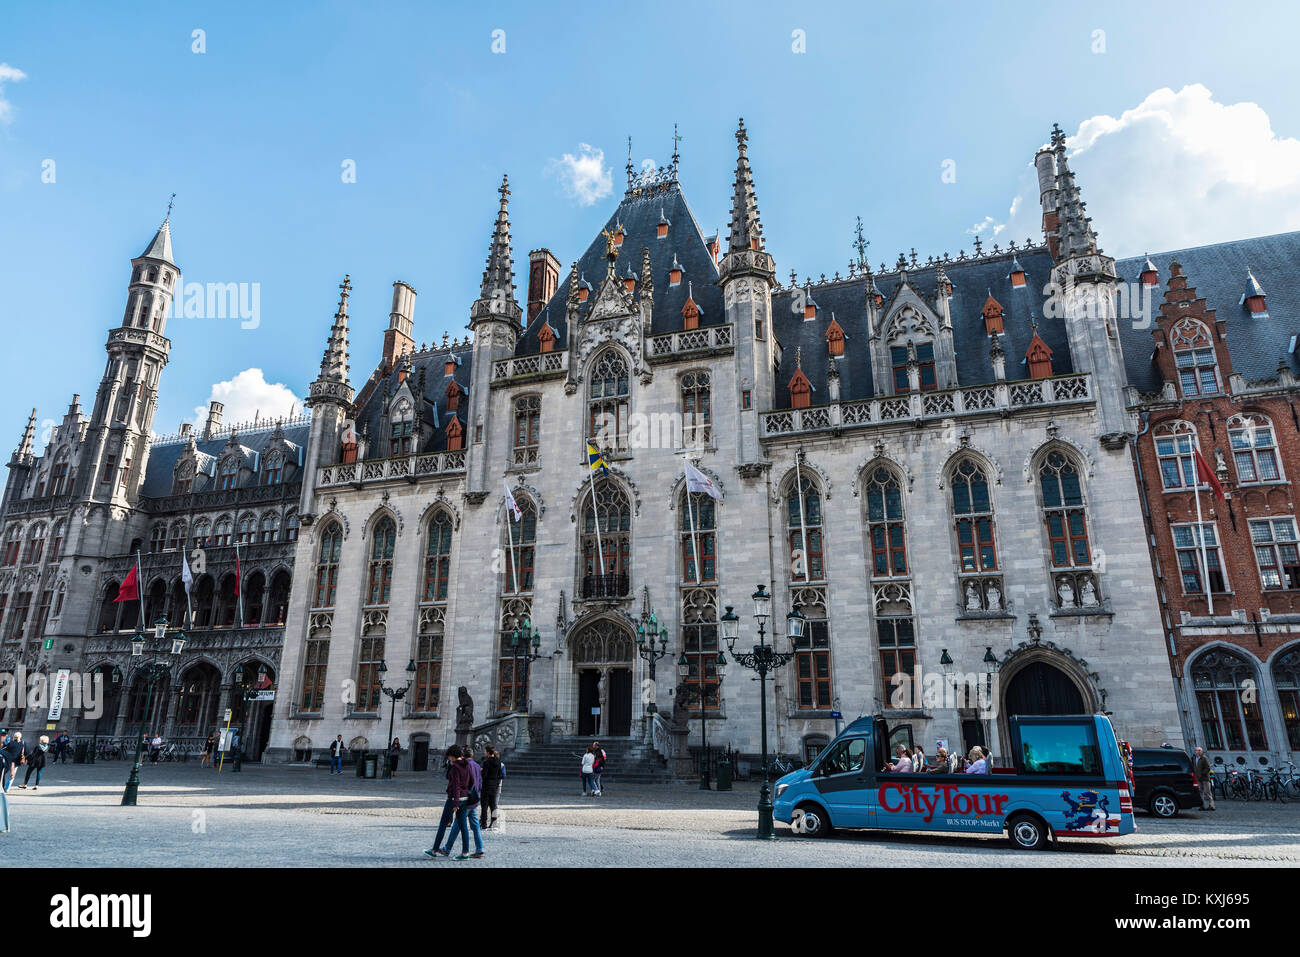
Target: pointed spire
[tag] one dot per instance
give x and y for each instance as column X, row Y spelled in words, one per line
column 647, row 277
column 497, row 293
column 1074, row 229
column 746, row 230
column 28, row 442
column 334, row 363
column 161, row 245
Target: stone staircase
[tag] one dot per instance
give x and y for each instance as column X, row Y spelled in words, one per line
column 630, row 762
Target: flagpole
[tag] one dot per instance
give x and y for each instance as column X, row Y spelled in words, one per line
column 239, row 587
column 803, row 531
column 695, row 541
column 514, row 556
column 595, row 514
column 139, row 587
column 1200, row 532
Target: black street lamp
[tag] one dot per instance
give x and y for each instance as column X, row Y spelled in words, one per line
column 394, row 695
column 247, row 691
column 764, row 660
column 94, row 739
column 521, row 639
column 647, row 652
column 152, row 673
column 700, row 692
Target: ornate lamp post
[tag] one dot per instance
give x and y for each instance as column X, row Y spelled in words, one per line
column 648, row 653
column 699, row 692
column 521, row 639
column 394, row 695
column 246, row 689
column 94, row 739
column 764, row 660
column 152, row 673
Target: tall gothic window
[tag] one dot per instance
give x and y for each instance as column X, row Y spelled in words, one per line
column 512, row 672
column 899, row 358
column 520, row 542
column 700, row 648
column 315, row 658
column 1067, row 527
column 437, row 557
column 402, row 441
column 697, row 416
column 974, row 510
column 1175, row 442
column 607, row 407
column 812, row 653
column 1230, row 716
column 327, row 566
column 1254, row 449
column 1194, row 358
column 270, row 530
column 291, row 525
column 807, row 562
column 228, row 473
column 13, row 544
column 35, row 544
column 380, row 575
column 59, row 477
column 1286, row 678
column 247, row 532
column 885, row 530
column 183, row 482
column 56, row 544
column 607, row 538
column 528, row 429
column 427, row 686
column 157, row 538
column 221, row 532
column 273, row 469
column 370, row 657
column 698, row 525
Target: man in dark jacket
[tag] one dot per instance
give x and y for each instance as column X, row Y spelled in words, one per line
column 492, row 773
column 451, row 759
column 463, row 783
column 1205, row 780
column 35, row 763
column 11, row 753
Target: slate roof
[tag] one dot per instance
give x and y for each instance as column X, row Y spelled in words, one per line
column 163, row 456
column 161, row 245
column 1219, row 274
column 434, row 411
column 972, row 281
column 639, row 216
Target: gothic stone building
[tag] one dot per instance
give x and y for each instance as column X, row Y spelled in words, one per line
column 1216, row 371
column 105, row 489
column 930, row 466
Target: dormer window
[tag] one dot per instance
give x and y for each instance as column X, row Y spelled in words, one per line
column 1194, row 358
column 546, row 338
column 229, row 472
column 835, row 338
column 274, row 468
column 800, row 390
column 453, row 396
column 992, row 313
column 1253, row 297
column 899, row 360
column 690, row 311
column 809, row 306
column 629, row 280
column 661, row 228
column 675, row 272
column 402, row 441
column 455, row 435
column 584, row 289
column 1017, row 274
column 619, row 234
column 1149, row 275
column 1039, row 357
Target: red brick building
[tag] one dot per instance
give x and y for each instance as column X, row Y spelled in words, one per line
column 1217, row 375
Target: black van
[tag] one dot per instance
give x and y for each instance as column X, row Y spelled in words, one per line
column 1163, row 781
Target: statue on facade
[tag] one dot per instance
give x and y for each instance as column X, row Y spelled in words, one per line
column 995, row 598
column 1089, row 594
column 1065, row 593
column 972, row 598
column 464, row 715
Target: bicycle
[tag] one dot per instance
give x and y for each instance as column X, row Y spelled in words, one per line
column 782, row 767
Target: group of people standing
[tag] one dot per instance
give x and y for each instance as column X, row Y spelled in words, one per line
column 593, row 764
column 469, row 786
column 16, row 753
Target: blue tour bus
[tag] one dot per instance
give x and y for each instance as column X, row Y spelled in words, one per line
column 1068, row 780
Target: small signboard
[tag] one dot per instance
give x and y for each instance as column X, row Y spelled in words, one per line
column 60, row 692
column 836, row 715
column 49, row 644
column 263, row 694
column 227, row 716
column 595, row 711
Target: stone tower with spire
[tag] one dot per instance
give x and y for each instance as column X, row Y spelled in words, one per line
column 494, row 319
column 20, row 463
column 330, row 399
column 1084, row 289
column 748, row 276
column 121, row 420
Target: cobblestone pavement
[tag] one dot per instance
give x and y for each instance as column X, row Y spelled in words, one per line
column 283, row 816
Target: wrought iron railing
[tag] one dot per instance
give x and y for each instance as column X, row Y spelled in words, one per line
column 605, row 586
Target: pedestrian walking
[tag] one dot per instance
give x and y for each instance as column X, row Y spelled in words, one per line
column 467, row 812
column 449, row 806
column 337, row 747
column 155, row 748
column 464, row 798
column 17, row 757
column 36, row 762
column 599, row 765
column 493, row 772
column 4, row 773
column 588, row 774
column 1205, row 780
column 394, row 755
column 209, row 746
column 61, row 742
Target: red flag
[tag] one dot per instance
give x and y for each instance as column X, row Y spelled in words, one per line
column 1206, row 474
column 129, row 590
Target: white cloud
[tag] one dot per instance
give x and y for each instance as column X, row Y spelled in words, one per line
column 247, row 395
column 1177, row 170
column 8, row 74
column 585, row 177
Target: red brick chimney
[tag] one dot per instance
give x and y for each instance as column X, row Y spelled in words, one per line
column 543, row 277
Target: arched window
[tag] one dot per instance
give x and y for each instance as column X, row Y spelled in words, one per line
column 1067, row 526
column 528, row 429
column 13, row 544
column 885, row 529
column 606, row 543
column 183, row 481
column 273, row 468
column 1254, row 449
column 327, row 566
column 204, row 597
column 807, row 562
column 1194, row 358
column 270, row 527
column 428, row 661
column 608, row 401
column 56, row 544
column 1286, row 678
column 35, row 544
column 437, row 558
column 176, row 539
column 973, row 508
column 108, row 607
column 379, row 580
column 698, row 526
column 1230, row 715
column 291, row 525
column 520, row 541
column 59, row 477
column 247, row 528
column 221, row 532
column 697, row 416
column 277, row 605
column 202, row 533
column 229, row 472
column 157, row 538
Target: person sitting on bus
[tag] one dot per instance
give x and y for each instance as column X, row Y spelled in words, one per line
column 918, row 760
column 903, row 764
column 978, row 764
column 940, row 762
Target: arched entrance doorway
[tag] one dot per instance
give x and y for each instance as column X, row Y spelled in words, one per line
column 1042, row 688
column 252, row 708
column 602, row 656
column 200, row 697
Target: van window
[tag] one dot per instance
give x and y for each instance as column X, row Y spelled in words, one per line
column 1059, row 749
column 848, row 755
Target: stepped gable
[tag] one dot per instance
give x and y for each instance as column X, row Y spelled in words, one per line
column 640, row 214
column 1219, row 274
column 972, row 280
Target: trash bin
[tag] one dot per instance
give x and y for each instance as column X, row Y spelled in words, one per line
column 372, row 765
column 79, row 753
column 724, row 775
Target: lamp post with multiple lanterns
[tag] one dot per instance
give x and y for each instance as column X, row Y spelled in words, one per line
column 646, row 650
column 764, row 660
column 521, row 639
column 151, row 673
column 394, row 695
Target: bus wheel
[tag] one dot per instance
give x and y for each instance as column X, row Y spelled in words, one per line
column 1027, row 832
column 810, row 821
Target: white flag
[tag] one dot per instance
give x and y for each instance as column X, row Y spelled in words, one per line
column 511, row 503
column 187, row 576
column 697, row 481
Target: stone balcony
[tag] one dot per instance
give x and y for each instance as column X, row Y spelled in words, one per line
column 409, row 468
column 999, row 398
column 690, row 343
column 524, row 368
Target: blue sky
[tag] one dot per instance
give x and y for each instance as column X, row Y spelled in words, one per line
column 251, row 135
